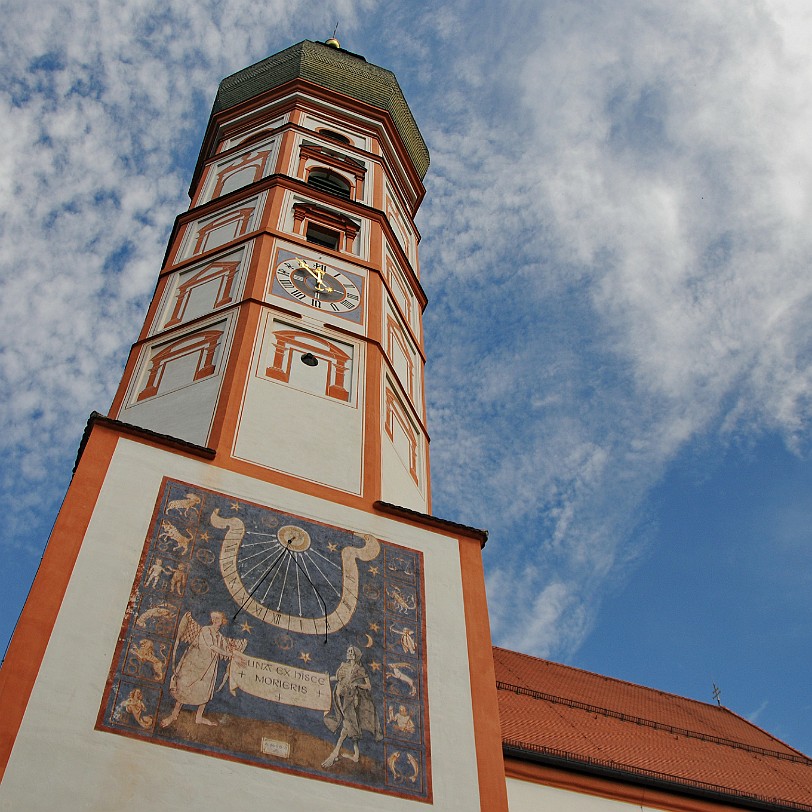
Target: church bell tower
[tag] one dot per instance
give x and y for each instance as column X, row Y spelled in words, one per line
column 245, row 596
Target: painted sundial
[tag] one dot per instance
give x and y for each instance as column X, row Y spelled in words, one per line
column 292, row 577
column 268, row 638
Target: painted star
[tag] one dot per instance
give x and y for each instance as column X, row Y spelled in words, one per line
column 235, row 505
column 373, row 570
column 304, row 657
column 374, row 627
column 333, row 548
column 375, row 666
column 204, row 536
column 246, row 627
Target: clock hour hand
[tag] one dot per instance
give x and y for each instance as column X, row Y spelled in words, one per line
column 318, row 275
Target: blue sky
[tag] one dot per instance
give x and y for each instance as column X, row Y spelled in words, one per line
column 616, row 248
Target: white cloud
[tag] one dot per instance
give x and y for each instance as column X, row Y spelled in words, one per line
column 615, row 245
column 619, row 263
column 102, row 104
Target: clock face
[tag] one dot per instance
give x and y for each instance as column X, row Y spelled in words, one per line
column 317, row 285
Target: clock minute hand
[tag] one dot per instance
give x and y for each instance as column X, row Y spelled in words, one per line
column 318, row 275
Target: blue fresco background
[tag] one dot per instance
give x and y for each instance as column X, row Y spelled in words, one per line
column 161, row 598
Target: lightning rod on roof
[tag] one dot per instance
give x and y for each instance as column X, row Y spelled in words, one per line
column 717, row 693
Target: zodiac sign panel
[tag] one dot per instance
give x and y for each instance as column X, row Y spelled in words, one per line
column 271, row 639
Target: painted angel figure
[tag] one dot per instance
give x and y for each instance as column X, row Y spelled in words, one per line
column 353, row 709
column 195, row 674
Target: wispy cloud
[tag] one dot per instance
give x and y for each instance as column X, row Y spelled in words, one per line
column 616, row 246
column 619, row 264
column 102, row 107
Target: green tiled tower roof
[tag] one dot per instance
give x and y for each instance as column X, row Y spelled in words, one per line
column 334, row 69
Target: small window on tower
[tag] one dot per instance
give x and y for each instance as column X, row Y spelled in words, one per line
column 329, row 182
column 334, row 136
column 322, row 236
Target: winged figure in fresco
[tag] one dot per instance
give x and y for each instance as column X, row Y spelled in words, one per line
column 194, row 675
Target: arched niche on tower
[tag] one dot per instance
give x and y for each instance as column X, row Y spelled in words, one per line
column 401, row 292
column 177, row 379
column 402, row 355
column 220, row 228
column 180, row 362
column 404, row 435
column 247, row 133
column 240, row 168
column 399, row 223
column 203, row 288
column 292, row 346
column 303, row 408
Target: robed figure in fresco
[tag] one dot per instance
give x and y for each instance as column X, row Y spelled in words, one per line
column 353, row 710
column 194, row 677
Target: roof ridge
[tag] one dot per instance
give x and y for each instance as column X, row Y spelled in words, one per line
column 641, row 720
column 625, row 682
column 767, row 733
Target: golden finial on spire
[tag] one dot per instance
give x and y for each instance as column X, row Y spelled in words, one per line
column 333, row 42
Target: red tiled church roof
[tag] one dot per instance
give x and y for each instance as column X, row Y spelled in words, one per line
column 555, row 713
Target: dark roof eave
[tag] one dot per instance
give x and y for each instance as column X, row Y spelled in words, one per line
column 432, row 521
column 98, row 419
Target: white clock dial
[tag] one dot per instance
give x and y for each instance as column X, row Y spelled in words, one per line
column 318, row 285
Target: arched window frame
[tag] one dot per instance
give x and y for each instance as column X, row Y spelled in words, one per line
column 312, row 157
column 333, row 135
column 334, row 179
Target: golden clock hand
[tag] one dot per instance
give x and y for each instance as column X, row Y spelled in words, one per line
column 317, row 275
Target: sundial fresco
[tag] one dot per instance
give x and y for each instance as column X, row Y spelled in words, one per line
column 263, row 637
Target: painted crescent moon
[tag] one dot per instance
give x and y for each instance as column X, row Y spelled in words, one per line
column 370, row 642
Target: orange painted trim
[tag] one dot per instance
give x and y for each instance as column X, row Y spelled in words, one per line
column 372, row 464
column 285, row 155
column 152, row 311
column 235, row 378
column 585, row 784
column 272, row 216
column 256, row 281
column 484, row 701
column 126, row 378
column 33, row 631
column 269, row 219
column 292, row 483
column 416, row 340
column 427, row 471
column 376, row 243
